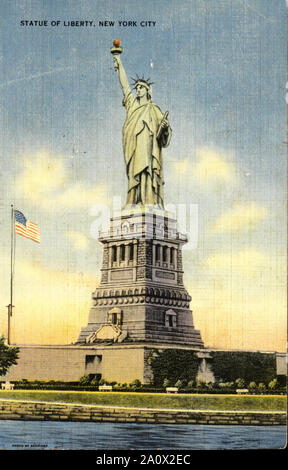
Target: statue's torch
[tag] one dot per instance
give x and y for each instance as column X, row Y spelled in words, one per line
column 116, row 49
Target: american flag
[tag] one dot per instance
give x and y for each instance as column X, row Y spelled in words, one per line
column 25, row 228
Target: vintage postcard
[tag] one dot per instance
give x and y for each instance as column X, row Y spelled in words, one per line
column 143, row 227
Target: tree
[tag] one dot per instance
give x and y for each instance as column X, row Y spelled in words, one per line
column 252, row 386
column 84, row 380
column 166, row 383
column 200, row 384
column 179, row 383
column 8, row 356
column 94, row 381
column 240, row 383
column 135, row 384
column 173, row 364
column 273, row 385
column 262, row 388
column 250, row 366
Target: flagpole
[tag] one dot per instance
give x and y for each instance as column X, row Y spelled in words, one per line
column 26, row 229
column 10, row 306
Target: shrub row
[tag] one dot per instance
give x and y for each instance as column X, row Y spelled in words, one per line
column 143, row 389
column 175, row 365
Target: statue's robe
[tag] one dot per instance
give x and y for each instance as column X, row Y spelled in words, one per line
column 142, row 151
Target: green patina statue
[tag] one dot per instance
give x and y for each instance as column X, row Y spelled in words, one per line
column 145, row 132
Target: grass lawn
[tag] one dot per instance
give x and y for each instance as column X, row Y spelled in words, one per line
column 156, row 400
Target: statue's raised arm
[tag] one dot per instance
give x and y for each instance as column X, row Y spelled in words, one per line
column 145, row 132
column 122, row 75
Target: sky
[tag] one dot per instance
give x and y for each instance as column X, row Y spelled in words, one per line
column 219, row 68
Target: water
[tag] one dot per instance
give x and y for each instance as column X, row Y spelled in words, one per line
column 97, row 436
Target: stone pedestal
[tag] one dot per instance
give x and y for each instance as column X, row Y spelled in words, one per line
column 141, row 297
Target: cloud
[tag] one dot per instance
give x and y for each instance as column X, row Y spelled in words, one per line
column 77, row 196
column 41, row 173
column 79, row 240
column 45, row 181
column 50, row 304
column 240, row 300
column 240, row 217
column 214, row 166
column 246, row 262
column 183, row 167
column 208, row 166
column 240, row 315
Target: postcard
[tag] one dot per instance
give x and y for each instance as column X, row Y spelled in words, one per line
column 143, row 226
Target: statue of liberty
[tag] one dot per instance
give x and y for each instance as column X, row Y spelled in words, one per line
column 145, row 132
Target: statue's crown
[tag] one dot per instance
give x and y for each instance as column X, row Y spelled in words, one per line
column 141, row 80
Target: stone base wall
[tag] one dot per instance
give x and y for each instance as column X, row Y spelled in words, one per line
column 69, row 363
column 122, row 363
column 44, row 411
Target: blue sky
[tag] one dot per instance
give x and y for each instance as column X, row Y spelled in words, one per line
column 219, row 68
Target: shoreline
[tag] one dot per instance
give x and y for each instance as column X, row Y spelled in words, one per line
column 59, row 411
